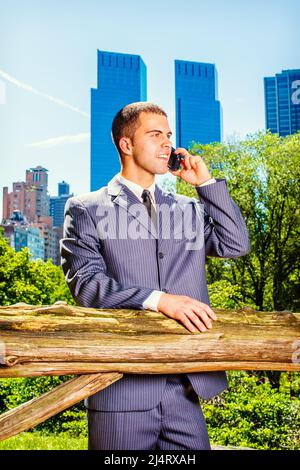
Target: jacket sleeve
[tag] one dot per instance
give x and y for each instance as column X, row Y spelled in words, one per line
column 225, row 231
column 85, row 269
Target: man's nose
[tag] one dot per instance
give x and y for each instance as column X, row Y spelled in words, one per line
column 167, row 142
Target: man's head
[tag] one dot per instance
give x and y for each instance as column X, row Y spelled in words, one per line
column 142, row 135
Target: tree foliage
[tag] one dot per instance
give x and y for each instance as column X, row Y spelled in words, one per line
column 262, row 175
column 25, row 280
column 253, row 414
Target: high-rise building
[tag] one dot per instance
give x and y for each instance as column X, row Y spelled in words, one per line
column 198, row 110
column 282, row 102
column 31, row 238
column 121, row 80
column 63, row 189
column 26, row 208
column 30, row 197
column 51, row 242
column 57, row 204
column 20, row 235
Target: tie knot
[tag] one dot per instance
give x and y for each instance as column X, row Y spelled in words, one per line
column 146, row 194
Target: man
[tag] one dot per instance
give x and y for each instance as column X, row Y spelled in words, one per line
column 157, row 272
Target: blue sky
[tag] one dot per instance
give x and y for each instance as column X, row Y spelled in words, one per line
column 51, row 47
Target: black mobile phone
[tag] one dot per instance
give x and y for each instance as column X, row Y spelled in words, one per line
column 174, row 160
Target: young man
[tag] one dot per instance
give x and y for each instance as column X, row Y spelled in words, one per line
column 158, row 272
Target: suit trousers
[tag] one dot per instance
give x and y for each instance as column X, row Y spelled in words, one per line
column 176, row 423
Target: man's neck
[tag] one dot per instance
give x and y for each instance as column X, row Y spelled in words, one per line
column 144, row 180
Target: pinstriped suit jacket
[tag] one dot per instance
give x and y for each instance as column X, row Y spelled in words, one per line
column 114, row 272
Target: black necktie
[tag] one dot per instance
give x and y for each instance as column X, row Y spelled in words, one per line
column 149, row 206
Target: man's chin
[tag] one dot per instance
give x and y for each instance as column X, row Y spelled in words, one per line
column 160, row 171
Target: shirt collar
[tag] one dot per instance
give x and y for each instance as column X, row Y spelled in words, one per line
column 136, row 188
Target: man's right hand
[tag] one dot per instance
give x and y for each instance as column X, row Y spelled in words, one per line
column 192, row 313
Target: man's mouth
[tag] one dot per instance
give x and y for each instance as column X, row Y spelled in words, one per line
column 163, row 156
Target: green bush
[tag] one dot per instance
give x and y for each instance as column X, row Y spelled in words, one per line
column 14, row 392
column 253, row 414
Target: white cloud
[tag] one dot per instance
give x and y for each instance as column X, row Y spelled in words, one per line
column 64, row 139
column 29, row 88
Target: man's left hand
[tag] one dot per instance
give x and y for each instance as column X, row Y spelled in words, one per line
column 194, row 170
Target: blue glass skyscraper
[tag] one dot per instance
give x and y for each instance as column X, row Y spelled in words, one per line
column 121, row 80
column 63, row 188
column 198, row 111
column 282, row 102
column 57, row 204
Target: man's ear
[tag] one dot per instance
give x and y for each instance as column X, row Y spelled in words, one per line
column 125, row 145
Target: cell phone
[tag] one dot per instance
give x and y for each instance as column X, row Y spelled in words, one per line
column 174, row 160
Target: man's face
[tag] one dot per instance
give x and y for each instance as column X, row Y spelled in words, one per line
column 151, row 146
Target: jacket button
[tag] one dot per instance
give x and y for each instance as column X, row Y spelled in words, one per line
column 161, row 255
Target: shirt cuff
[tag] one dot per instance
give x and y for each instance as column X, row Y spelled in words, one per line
column 210, row 181
column 152, row 300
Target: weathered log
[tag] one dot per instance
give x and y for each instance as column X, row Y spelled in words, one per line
column 82, row 340
column 39, row 409
column 36, row 369
column 245, row 346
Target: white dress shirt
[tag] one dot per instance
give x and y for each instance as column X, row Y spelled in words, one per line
column 152, row 300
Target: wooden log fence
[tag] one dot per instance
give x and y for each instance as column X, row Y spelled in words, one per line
column 99, row 345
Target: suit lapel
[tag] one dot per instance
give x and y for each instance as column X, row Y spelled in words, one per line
column 127, row 200
column 123, row 197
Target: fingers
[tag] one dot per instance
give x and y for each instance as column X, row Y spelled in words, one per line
column 181, row 150
column 184, row 319
column 196, row 318
column 190, row 319
column 187, row 162
column 202, row 317
column 194, row 162
column 201, row 325
column 205, row 307
column 190, row 162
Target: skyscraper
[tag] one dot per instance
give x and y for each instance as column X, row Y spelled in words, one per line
column 282, row 102
column 198, row 111
column 63, row 189
column 121, row 80
column 57, row 204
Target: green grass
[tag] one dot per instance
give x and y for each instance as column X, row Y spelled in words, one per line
column 38, row 441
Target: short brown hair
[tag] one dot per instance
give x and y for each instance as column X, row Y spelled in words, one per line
column 126, row 120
